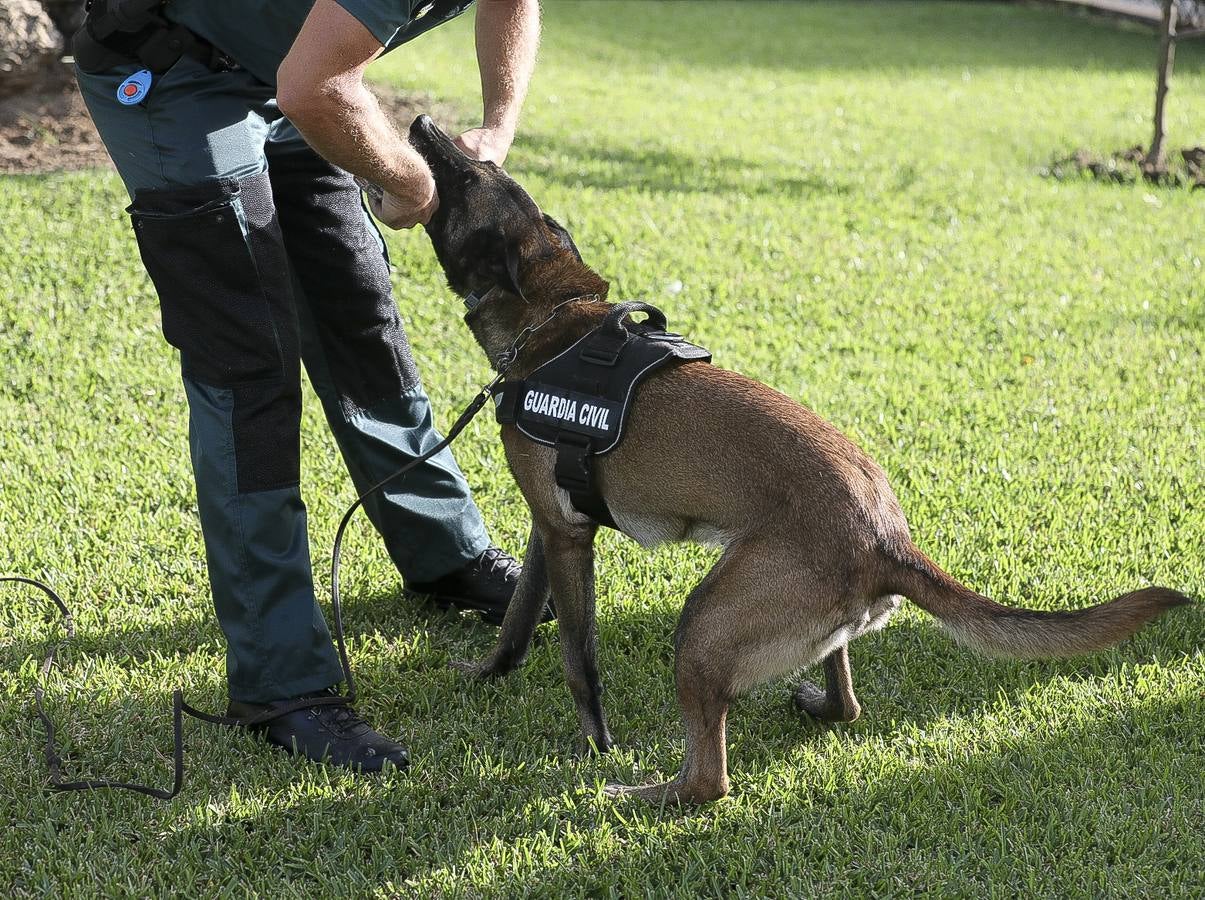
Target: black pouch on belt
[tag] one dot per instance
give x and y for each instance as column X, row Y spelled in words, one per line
column 120, row 32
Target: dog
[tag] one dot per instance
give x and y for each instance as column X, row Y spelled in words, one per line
column 816, row 550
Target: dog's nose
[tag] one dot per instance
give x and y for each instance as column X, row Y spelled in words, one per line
column 435, row 147
column 424, row 129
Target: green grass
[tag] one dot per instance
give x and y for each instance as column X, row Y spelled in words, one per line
column 848, row 195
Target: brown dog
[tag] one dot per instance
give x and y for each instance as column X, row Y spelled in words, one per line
column 816, row 550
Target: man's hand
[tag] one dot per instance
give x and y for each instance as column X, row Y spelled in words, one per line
column 320, row 88
column 400, row 212
column 486, row 144
column 508, row 32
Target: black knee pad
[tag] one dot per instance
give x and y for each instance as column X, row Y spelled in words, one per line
column 344, row 278
column 217, row 258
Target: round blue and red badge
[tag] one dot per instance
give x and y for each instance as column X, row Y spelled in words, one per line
column 135, row 88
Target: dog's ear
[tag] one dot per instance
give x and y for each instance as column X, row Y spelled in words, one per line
column 490, row 258
column 512, row 266
column 561, row 236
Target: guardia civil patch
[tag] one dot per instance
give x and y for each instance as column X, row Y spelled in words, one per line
column 135, row 88
column 550, row 404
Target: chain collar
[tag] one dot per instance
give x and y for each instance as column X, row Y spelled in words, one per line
column 507, row 358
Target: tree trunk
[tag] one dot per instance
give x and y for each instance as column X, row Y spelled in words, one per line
column 1155, row 164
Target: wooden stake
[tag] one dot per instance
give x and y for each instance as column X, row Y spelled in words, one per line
column 1155, row 165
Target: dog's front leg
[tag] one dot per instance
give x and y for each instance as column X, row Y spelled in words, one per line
column 570, row 552
column 522, row 616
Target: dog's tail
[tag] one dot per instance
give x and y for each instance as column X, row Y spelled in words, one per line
column 997, row 630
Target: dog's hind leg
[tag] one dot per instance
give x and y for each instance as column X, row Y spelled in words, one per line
column 703, row 697
column 836, row 703
column 522, row 616
column 724, row 623
column 570, row 559
column 704, row 674
column 734, row 633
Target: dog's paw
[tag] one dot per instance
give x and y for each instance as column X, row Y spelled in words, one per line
column 597, row 745
column 811, row 699
column 814, row 702
column 668, row 793
column 614, row 791
column 478, row 671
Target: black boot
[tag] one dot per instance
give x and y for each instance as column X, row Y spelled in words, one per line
column 331, row 733
column 485, row 584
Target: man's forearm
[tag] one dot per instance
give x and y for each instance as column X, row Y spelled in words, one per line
column 507, row 34
column 347, row 127
column 320, row 87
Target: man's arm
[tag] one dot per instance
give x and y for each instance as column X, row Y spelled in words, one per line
column 320, row 87
column 507, row 34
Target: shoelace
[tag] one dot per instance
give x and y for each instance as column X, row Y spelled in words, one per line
column 494, row 559
column 341, row 720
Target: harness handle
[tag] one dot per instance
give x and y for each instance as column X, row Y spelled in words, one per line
column 614, row 320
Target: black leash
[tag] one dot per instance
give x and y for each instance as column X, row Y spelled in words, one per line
column 54, row 762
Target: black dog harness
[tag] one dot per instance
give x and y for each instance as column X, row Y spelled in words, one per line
column 578, row 402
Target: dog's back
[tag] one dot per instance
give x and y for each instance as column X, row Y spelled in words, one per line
column 719, row 452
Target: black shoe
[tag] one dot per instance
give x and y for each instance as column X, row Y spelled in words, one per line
column 485, row 584
column 331, row 733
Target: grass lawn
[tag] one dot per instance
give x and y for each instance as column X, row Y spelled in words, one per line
column 839, row 199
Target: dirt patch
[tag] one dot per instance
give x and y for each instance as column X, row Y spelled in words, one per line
column 50, row 130
column 1185, row 169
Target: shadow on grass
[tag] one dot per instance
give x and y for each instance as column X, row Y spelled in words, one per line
column 385, row 612
column 132, row 646
column 907, row 676
column 592, row 165
column 659, row 170
column 996, row 783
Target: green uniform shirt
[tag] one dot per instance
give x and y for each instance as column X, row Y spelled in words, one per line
column 258, row 33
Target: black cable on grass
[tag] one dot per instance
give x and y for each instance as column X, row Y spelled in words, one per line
column 54, row 761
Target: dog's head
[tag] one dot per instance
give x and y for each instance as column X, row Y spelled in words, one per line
column 487, row 230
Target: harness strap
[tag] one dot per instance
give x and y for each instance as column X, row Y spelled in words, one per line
column 506, row 402
column 575, row 474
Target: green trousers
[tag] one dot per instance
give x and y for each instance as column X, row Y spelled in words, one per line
column 263, row 258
